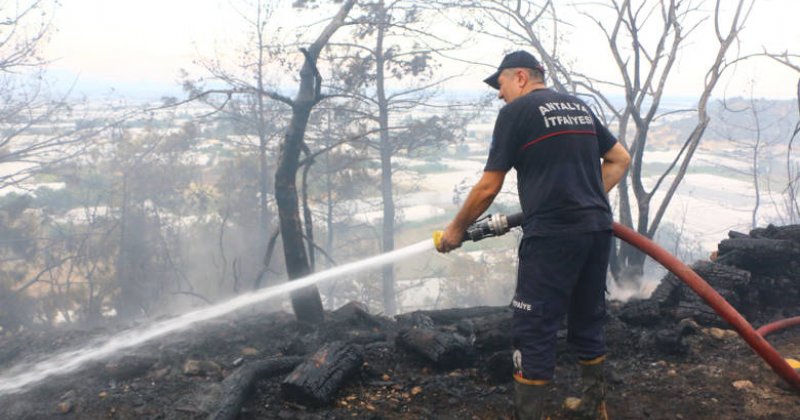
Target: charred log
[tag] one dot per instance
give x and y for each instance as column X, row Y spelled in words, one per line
column 363, row 337
column 722, row 276
column 648, row 312
column 488, row 328
column 415, row 319
column 765, row 248
column 303, row 343
column 780, row 292
column 672, row 300
column 356, row 314
column 354, row 324
column 315, row 381
column 791, row 232
column 641, row 312
column 695, row 308
column 454, row 315
column 237, row 386
column 759, row 255
column 492, row 333
column 731, row 283
column 772, row 255
column 446, row 350
column 734, row 235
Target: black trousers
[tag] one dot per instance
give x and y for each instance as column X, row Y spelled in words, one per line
column 559, row 276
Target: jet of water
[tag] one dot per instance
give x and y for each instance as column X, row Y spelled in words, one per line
column 23, row 376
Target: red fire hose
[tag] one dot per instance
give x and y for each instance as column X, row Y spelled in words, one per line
column 778, row 325
column 754, row 338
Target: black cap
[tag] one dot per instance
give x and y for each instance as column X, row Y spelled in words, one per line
column 515, row 59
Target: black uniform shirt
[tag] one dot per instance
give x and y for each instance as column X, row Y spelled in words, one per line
column 555, row 143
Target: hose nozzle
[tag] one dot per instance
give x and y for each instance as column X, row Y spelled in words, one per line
column 487, row 226
column 492, row 225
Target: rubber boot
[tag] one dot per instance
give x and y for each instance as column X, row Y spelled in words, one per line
column 529, row 401
column 593, row 400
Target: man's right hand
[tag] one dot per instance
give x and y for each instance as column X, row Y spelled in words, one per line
column 451, row 239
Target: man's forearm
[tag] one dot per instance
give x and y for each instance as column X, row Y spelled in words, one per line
column 478, row 200
column 612, row 174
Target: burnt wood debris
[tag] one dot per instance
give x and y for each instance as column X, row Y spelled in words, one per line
column 316, row 380
column 238, row 385
column 757, row 273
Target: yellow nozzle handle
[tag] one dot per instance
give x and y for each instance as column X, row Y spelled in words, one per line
column 437, row 237
column 795, row 364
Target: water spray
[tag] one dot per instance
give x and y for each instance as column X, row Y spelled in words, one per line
column 25, row 375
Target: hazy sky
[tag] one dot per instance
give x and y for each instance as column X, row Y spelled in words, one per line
column 125, row 43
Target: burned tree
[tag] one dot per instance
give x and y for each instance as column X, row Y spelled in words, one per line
column 306, row 303
column 631, row 260
column 388, row 79
column 645, row 39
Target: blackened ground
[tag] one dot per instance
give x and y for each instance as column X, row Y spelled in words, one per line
column 703, row 373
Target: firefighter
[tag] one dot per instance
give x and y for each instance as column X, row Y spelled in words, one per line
column 566, row 162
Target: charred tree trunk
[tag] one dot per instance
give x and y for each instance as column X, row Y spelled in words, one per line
column 123, row 307
column 387, row 234
column 307, row 217
column 631, row 258
column 261, row 128
column 644, row 87
column 306, row 303
column 389, row 298
column 315, row 381
column 328, row 191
